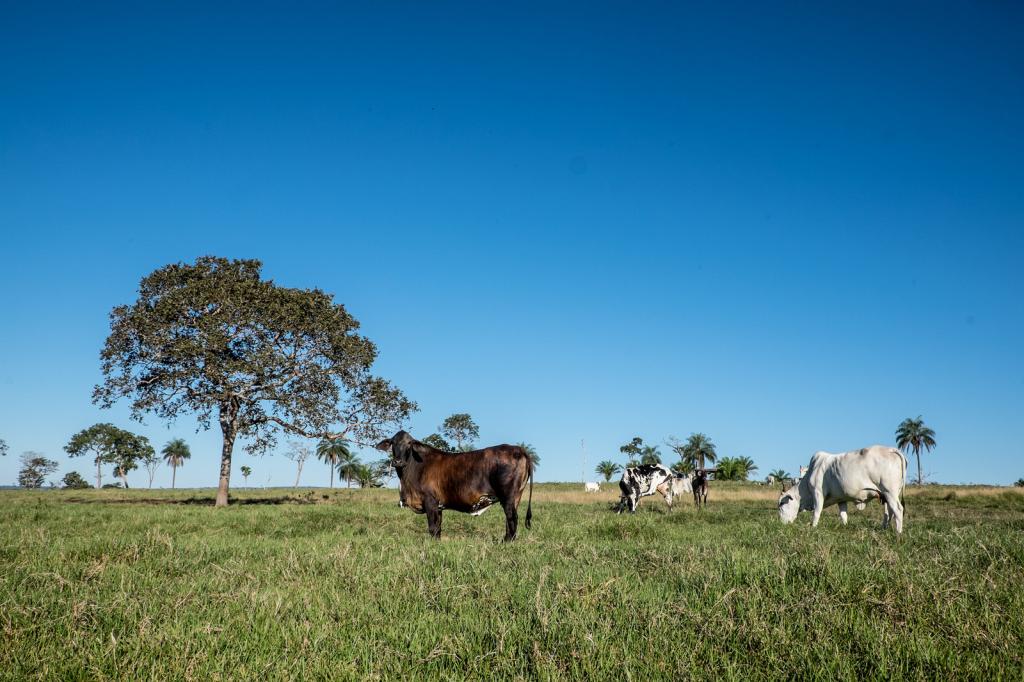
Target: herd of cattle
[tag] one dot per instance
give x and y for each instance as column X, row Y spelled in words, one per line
column 432, row 480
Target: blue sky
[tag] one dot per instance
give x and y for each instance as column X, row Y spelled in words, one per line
column 786, row 226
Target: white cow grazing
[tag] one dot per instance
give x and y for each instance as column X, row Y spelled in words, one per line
column 856, row 476
column 591, row 487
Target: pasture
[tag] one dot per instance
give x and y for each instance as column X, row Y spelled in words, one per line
column 343, row 584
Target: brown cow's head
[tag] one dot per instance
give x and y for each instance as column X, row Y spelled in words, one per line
column 402, row 447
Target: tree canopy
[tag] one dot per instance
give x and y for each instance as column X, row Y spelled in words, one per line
column 109, row 444
column 695, row 450
column 215, row 339
column 74, row 481
column 435, row 440
column 632, row 450
column 735, row 468
column 34, row 470
column 462, row 429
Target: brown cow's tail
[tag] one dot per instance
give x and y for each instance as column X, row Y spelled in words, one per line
column 529, row 501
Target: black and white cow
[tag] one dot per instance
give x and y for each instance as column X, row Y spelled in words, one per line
column 647, row 479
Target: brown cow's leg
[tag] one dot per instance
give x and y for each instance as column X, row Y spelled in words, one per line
column 433, row 518
column 511, row 520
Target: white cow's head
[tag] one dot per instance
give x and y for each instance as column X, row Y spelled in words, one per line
column 798, row 498
column 789, row 505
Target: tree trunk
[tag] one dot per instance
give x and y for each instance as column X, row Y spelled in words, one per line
column 298, row 474
column 174, row 474
column 229, row 427
column 332, row 474
column 99, row 476
column 917, row 453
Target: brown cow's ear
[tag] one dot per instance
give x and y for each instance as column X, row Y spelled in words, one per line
column 414, row 449
column 384, row 445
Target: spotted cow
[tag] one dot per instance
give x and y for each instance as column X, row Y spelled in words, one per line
column 647, row 479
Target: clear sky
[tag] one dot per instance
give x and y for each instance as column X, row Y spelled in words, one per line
column 787, row 225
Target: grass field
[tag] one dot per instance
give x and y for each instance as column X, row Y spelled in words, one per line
column 345, row 585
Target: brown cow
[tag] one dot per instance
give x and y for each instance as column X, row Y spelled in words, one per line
column 432, row 480
column 700, row 486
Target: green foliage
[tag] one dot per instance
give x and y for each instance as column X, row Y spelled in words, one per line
column 435, row 440
column 683, row 467
column 176, row 451
column 780, row 475
column 607, row 468
column 34, row 469
column 74, row 481
column 215, row 339
column 532, row 452
column 725, row 594
column 246, row 473
column 735, row 468
column 462, row 429
column 912, row 434
column 3, row 448
column 1019, row 483
column 108, row 444
column 632, row 451
column 333, row 452
column 370, row 475
column 650, row 454
column 694, row 452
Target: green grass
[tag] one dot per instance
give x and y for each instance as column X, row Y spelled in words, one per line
column 345, row 585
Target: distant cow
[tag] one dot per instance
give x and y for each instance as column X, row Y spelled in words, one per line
column 856, row 476
column 699, row 485
column 591, row 487
column 648, row 479
column 432, row 480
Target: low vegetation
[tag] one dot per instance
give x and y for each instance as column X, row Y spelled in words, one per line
column 342, row 584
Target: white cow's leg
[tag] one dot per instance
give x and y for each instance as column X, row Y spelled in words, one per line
column 819, row 505
column 895, row 511
column 886, row 512
column 842, row 512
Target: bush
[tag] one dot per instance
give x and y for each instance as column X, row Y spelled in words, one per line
column 1019, row 483
column 74, row 481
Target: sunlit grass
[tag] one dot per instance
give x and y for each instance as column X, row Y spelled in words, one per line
column 345, row 585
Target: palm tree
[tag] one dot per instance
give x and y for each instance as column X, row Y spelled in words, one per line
column 369, row 475
column 697, row 449
column 779, row 475
column 333, row 451
column 246, row 473
column 649, row 454
column 175, row 453
column 607, row 468
column 912, row 434
column 347, row 465
column 532, row 452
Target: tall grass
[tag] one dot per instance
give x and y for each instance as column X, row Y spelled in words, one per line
column 345, row 585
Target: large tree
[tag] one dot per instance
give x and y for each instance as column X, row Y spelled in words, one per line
column 215, row 339
column 3, row 447
column 175, row 453
column 462, row 429
column 912, row 434
column 34, row 470
column 109, row 444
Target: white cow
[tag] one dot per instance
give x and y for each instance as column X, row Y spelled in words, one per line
column 857, row 476
column 591, row 487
